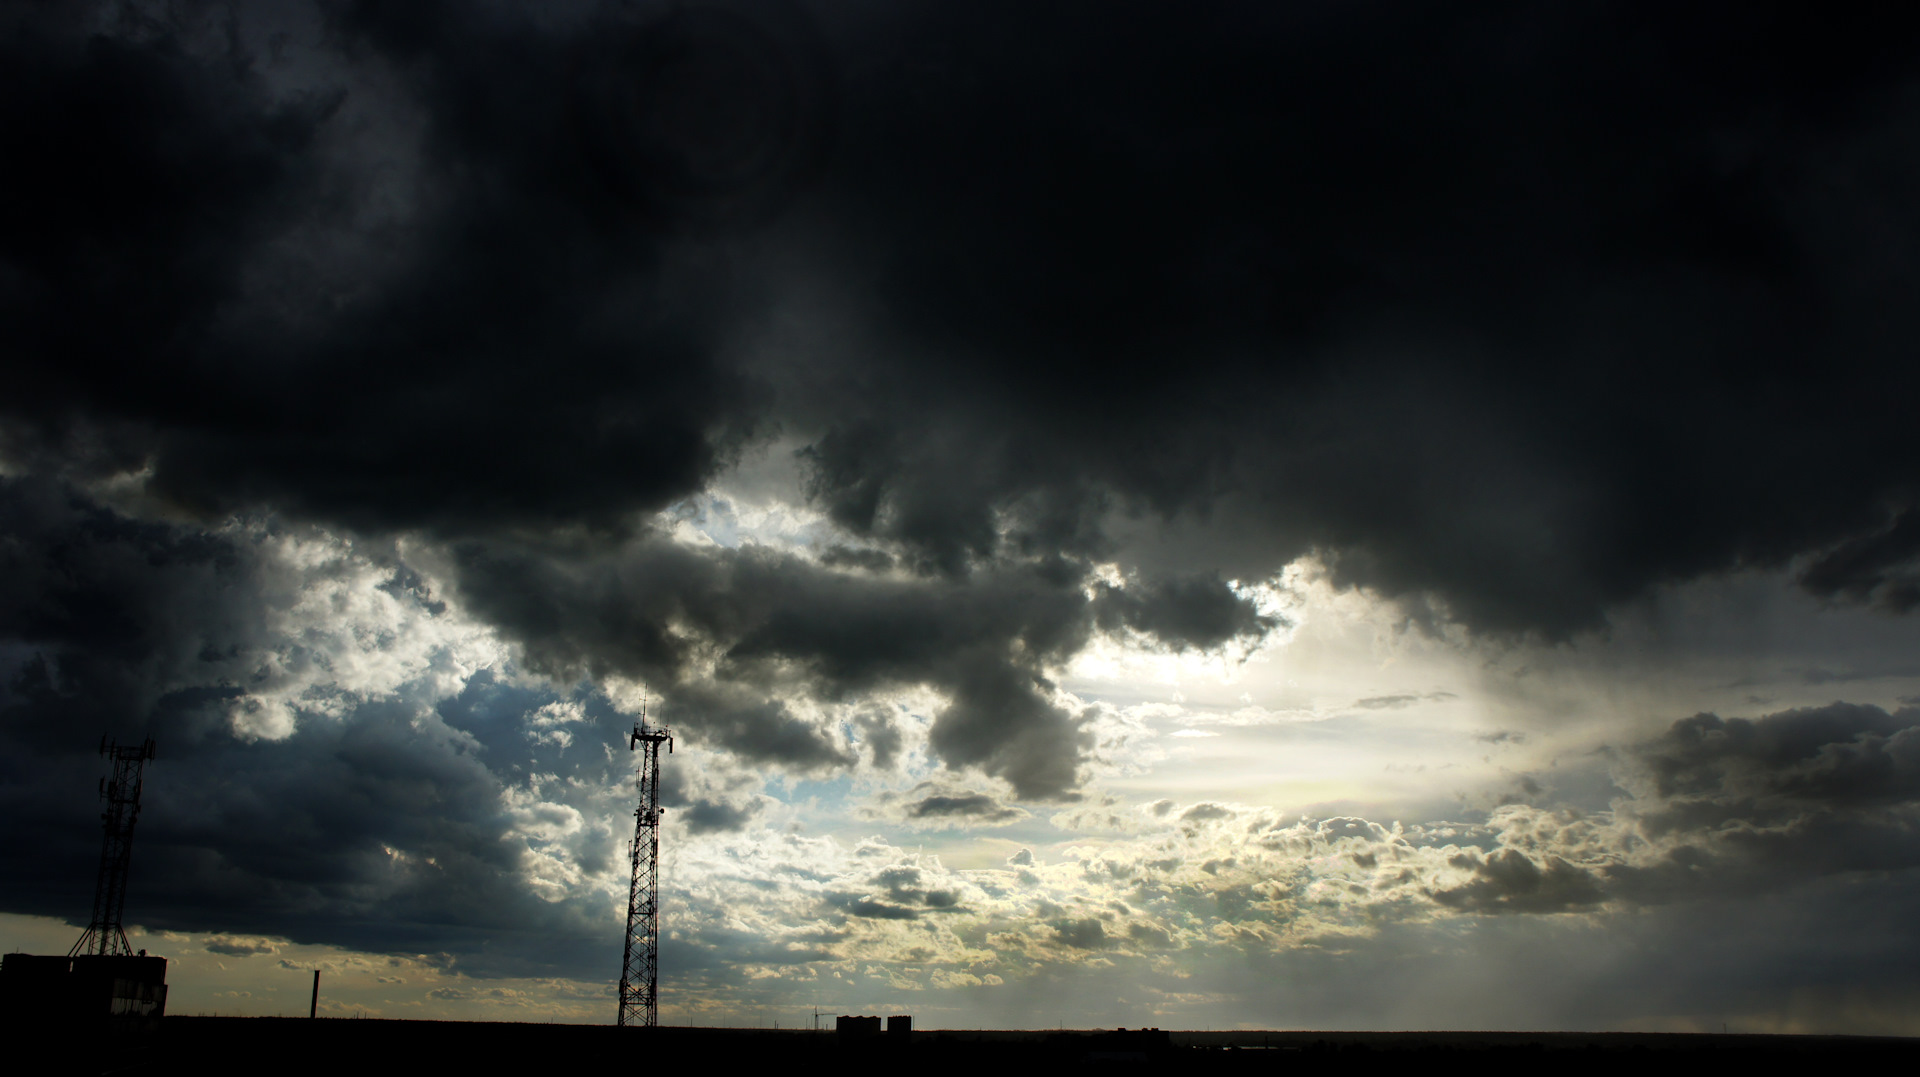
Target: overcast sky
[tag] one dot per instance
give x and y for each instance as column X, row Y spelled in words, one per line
column 1295, row 514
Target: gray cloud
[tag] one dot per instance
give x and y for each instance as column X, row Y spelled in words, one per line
column 706, row 816
column 971, row 807
column 1085, row 933
column 1843, row 755
column 1883, row 567
column 881, row 735
column 1183, row 612
column 1508, row 881
column 644, row 609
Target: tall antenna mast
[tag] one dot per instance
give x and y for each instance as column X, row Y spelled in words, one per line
column 104, row 935
column 640, row 969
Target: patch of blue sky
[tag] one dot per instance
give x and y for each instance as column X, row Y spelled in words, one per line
column 837, row 790
column 513, row 721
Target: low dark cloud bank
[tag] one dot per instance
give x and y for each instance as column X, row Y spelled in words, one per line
column 1720, row 808
column 1517, row 312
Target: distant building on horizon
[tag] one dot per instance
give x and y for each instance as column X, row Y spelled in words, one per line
column 126, row 993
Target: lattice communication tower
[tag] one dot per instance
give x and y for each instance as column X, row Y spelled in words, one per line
column 640, row 970
column 104, row 935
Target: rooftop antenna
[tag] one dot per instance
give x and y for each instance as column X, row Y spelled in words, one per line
column 640, row 968
column 104, row 935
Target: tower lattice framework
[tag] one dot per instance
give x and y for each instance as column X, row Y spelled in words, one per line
column 640, row 969
column 104, row 935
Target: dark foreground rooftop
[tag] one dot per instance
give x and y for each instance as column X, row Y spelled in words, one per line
column 355, row 1048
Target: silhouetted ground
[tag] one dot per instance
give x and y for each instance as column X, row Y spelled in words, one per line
column 284, row 1046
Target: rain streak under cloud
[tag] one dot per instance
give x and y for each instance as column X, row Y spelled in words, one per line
column 1276, row 514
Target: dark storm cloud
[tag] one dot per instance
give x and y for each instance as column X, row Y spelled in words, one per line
column 1721, row 807
column 1883, row 567
column 116, row 623
column 1842, row 755
column 384, row 832
column 1489, row 305
column 1482, row 306
column 1189, row 612
column 1744, row 804
column 198, row 292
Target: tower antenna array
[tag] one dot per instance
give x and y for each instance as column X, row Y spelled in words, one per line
column 104, row 935
column 640, row 969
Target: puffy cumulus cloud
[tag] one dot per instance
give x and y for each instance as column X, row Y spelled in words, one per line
column 1510, row 881
column 1711, row 808
column 760, row 908
column 547, row 725
column 711, row 793
column 788, row 907
column 229, row 946
column 756, row 918
column 881, row 735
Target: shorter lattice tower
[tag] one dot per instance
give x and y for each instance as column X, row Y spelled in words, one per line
column 104, row 935
column 640, row 969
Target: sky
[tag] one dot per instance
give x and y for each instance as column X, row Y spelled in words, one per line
column 1349, row 515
